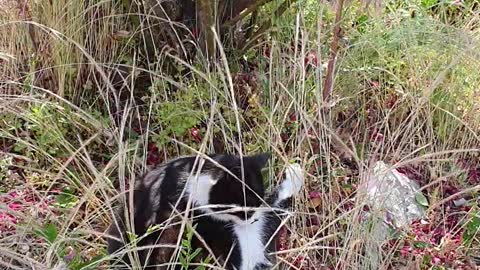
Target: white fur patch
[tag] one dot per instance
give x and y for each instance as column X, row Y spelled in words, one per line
column 252, row 248
column 224, row 217
column 293, row 182
column 199, row 188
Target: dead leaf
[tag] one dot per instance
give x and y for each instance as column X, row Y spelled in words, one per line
column 312, row 230
column 121, row 34
column 315, row 202
column 340, row 142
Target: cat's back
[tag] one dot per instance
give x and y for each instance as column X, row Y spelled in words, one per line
column 166, row 176
column 153, row 195
column 176, row 169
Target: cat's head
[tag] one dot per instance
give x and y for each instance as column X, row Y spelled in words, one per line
column 233, row 189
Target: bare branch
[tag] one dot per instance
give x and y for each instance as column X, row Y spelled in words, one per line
column 328, row 85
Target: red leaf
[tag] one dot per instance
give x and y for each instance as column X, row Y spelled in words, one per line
column 15, row 206
column 195, row 132
column 311, row 59
column 314, row 194
column 195, row 32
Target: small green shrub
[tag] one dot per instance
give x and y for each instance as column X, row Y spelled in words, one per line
column 188, row 254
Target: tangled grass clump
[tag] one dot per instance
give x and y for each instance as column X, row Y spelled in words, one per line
column 85, row 109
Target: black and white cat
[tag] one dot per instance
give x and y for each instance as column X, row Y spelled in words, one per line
column 232, row 216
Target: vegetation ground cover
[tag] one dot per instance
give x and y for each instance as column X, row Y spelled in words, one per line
column 90, row 100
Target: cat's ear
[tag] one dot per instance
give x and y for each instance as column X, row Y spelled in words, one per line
column 259, row 160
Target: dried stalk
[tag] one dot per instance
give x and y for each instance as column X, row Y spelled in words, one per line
column 255, row 5
column 206, row 10
column 266, row 25
column 328, row 85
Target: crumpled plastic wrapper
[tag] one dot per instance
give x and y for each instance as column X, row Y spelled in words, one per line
column 394, row 194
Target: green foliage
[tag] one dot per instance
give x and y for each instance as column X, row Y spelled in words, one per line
column 80, row 264
column 416, row 57
column 9, row 121
column 421, row 244
column 421, row 199
column 47, row 129
column 50, row 130
column 49, row 232
column 177, row 115
column 472, row 230
column 187, row 254
column 71, row 253
column 66, row 199
column 5, row 163
column 132, row 238
column 175, row 118
column 429, row 3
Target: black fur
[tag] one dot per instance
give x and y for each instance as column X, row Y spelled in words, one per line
column 153, row 204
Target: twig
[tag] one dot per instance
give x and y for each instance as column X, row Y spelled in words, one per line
column 328, row 85
column 24, row 10
column 451, row 197
column 266, row 25
column 245, row 12
column 207, row 19
column 251, row 24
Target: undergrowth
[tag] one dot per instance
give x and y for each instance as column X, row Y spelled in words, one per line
column 84, row 111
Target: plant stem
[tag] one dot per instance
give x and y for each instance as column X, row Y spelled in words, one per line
column 328, row 85
column 253, row 7
column 266, row 25
column 207, row 18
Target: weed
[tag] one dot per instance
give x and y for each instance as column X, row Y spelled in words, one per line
column 405, row 91
column 187, row 254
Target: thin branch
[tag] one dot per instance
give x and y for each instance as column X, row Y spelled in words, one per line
column 244, row 13
column 266, row 25
column 328, row 85
column 207, row 18
column 473, row 189
column 251, row 24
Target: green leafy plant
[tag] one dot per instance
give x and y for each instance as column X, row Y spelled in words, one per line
column 183, row 111
column 175, row 118
column 46, row 128
column 472, row 230
column 188, row 254
column 5, row 163
column 49, row 232
column 66, row 199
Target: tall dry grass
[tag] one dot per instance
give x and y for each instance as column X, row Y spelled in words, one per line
column 405, row 91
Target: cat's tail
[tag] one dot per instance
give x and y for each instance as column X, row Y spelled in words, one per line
column 291, row 186
column 115, row 240
column 281, row 198
column 115, row 233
